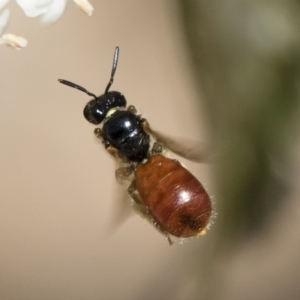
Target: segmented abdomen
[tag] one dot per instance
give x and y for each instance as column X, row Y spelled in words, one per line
column 175, row 198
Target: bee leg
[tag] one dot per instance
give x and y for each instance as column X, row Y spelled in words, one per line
column 169, row 239
column 157, row 148
column 146, row 126
column 135, row 196
column 98, row 133
column 122, row 174
column 132, row 109
column 143, row 211
column 133, row 193
column 132, row 187
column 112, row 151
column 162, row 231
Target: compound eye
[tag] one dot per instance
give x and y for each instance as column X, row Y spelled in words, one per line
column 116, row 99
column 93, row 112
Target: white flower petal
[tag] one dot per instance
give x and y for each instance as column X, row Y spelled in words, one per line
column 4, row 19
column 55, row 10
column 34, row 8
column 3, row 3
column 14, row 41
column 85, row 6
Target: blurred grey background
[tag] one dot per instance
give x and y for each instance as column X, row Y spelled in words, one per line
column 224, row 73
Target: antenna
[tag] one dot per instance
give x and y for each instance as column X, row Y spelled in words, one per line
column 113, row 70
column 76, row 86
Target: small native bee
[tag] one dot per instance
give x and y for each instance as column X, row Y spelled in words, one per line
column 162, row 189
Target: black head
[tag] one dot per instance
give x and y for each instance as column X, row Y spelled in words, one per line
column 96, row 110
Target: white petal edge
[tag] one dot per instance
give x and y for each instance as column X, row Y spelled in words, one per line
column 3, row 3
column 55, row 11
column 85, row 6
column 34, row 8
column 17, row 42
column 4, row 17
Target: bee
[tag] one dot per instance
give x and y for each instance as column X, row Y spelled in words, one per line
column 162, row 190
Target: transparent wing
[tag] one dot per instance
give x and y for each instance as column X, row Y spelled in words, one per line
column 187, row 148
column 121, row 207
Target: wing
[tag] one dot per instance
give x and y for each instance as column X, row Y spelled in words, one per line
column 187, row 148
column 121, row 208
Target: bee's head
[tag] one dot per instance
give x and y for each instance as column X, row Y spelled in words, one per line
column 96, row 110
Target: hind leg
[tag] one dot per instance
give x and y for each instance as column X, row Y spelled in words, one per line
column 123, row 174
column 143, row 210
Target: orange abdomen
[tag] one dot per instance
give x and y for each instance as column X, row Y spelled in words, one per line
column 175, row 198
